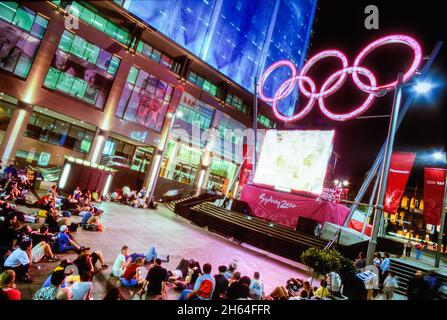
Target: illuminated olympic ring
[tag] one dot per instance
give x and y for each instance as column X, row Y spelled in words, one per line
column 336, row 80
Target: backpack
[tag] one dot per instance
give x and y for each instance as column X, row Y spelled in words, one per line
column 205, row 289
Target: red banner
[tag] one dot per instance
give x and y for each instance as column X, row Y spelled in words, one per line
column 434, row 188
column 400, row 167
column 285, row 208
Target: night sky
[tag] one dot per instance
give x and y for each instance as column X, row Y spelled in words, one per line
column 340, row 25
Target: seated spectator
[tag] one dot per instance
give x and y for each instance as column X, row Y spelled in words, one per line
column 293, row 286
column 94, row 223
column 69, row 277
column 50, row 293
column 121, row 262
column 155, row 283
column 8, row 233
column 231, row 269
column 85, row 262
column 96, row 196
column 52, row 220
column 42, row 235
column 322, row 291
column 40, row 250
column 69, row 203
column 64, row 294
column 256, row 287
column 203, row 287
column 221, row 284
column 279, row 293
column 20, row 260
column 64, row 242
column 131, row 276
column 244, row 288
column 194, row 271
column 7, row 286
column 113, row 294
column 360, row 262
column 86, row 214
column 151, row 255
column 307, row 288
column 82, row 290
column 233, row 286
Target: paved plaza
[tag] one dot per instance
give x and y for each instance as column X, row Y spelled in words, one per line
column 141, row 228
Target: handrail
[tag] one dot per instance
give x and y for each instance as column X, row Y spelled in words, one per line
column 335, row 237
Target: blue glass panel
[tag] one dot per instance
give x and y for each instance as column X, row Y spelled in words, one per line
column 184, row 21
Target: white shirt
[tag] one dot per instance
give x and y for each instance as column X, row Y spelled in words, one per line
column 390, row 282
column 117, row 269
column 17, row 258
column 81, row 289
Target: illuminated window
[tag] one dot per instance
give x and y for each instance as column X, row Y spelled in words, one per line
column 155, row 55
column 204, row 84
column 24, row 29
column 144, row 99
column 90, row 80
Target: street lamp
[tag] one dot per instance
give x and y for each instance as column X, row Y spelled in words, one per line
column 421, row 88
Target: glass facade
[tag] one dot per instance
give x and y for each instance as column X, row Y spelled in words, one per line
column 145, row 99
column 238, row 38
column 6, row 111
column 82, row 70
column 204, row 84
column 21, row 31
column 92, row 18
column 237, row 103
column 61, row 133
column 157, row 56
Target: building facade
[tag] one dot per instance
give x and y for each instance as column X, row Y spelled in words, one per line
column 94, row 81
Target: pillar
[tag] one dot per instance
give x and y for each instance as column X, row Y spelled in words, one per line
column 14, row 132
column 106, row 122
column 151, row 177
column 173, row 161
column 203, row 172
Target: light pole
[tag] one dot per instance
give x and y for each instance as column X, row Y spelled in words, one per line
column 378, row 211
column 441, row 227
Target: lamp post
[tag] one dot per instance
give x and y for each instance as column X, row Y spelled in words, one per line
column 441, row 227
column 385, row 168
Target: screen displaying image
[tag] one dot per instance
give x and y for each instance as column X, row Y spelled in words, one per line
column 295, row 160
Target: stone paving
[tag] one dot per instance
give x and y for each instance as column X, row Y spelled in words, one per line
column 139, row 229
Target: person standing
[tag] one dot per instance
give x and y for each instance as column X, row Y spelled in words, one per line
column 418, row 250
column 417, row 288
column 389, row 284
column 408, row 246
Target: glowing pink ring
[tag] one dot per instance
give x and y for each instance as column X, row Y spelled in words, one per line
column 315, row 59
column 305, row 110
column 413, row 44
column 287, row 90
column 363, row 107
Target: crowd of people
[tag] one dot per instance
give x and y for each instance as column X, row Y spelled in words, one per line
column 143, row 274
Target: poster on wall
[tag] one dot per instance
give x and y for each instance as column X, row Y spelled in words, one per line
column 83, row 79
column 17, row 49
column 44, row 159
column 294, row 160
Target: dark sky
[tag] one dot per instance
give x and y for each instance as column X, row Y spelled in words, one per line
column 340, row 24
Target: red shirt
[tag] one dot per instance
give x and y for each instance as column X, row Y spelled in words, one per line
column 12, row 294
column 130, row 272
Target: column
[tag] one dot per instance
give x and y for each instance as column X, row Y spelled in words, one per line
column 203, row 172
column 173, row 161
column 14, row 133
column 106, row 122
column 150, row 180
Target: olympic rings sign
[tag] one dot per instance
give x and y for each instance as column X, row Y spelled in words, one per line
column 336, row 80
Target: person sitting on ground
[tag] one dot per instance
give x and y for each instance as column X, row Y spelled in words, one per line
column 307, row 288
column 113, row 294
column 7, row 286
column 86, row 261
column 20, row 260
column 70, row 278
column 152, row 204
column 83, row 289
column 64, row 242
column 203, row 287
column 194, row 271
column 77, row 194
column 64, row 294
column 40, row 250
column 279, row 293
column 52, row 220
column 221, row 284
column 94, row 223
column 180, row 272
column 244, row 288
column 231, row 269
column 293, row 286
column 322, row 291
column 131, row 277
column 256, row 287
column 50, row 293
column 96, row 196
column 121, row 262
column 155, row 282
column 69, row 203
column 233, row 286
column 43, row 235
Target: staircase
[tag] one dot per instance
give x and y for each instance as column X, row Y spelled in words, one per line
column 171, row 204
column 404, row 272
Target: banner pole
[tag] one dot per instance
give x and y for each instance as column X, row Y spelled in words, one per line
column 441, row 227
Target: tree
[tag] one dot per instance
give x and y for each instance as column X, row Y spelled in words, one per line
column 321, row 261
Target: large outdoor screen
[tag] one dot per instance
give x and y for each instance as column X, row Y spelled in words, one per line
column 294, row 160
